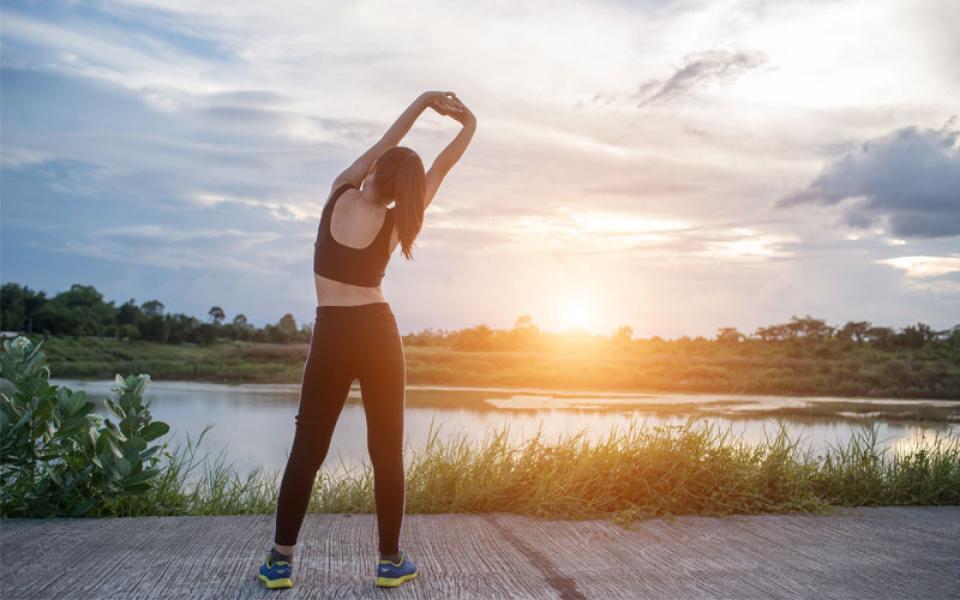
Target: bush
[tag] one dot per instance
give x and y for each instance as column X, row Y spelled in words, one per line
column 59, row 458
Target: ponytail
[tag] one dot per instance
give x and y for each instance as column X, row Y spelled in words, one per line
column 400, row 176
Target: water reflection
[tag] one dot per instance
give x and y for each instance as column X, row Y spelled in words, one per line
column 254, row 423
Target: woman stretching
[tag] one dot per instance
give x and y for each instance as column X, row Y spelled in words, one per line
column 356, row 336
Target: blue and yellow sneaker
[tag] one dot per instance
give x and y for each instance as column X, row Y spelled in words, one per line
column 276, row 574
column 391, row 574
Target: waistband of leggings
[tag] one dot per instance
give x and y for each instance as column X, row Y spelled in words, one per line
column 374, row 308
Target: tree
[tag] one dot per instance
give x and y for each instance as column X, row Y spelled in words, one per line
column 623, row 335
column 78, row 311
column 855, row 331
column 240, row 320
column 881, row 337
column 12, row 310
column 773, row 333
column 729, row 335
column 916, row 336
column 287, row 328
column 953, row 336
column 129, row 313
column 18, row 307
column 524, row 334
column 523, row 322
column 155, row 328
column 474, row 338
column 129, row 319
column 152, row 308
column 305, row 333
column 809, row 328
column 181, row 328
column 205, row 334
column 56, row 319
column 216, row 313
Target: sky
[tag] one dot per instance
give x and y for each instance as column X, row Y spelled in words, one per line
column 671, row 166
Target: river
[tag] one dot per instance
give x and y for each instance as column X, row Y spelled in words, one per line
column 254, row 423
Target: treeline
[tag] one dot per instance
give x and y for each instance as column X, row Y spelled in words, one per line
column 82, row 311
column 801, row 336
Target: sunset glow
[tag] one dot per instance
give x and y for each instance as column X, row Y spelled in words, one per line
column 702, row 163
column 576, row 311
column 554, row 284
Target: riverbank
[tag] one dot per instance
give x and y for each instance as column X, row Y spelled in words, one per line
column 858, row 373
column 851, row 553
column 627, row 476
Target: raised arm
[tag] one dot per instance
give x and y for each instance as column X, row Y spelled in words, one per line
column 454, row 150
column 358, row 170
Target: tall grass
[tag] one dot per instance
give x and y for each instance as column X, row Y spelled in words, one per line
column 633, row 473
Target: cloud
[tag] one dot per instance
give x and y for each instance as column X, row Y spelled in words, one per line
column 153, row 232
column 12, row 157
column 162, row 146
column 281, row 211
column 929, row 274
column 699, row 69
column 907, row 181
column 925, row 266
column 180, row 246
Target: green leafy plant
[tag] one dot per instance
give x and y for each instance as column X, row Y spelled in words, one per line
column 57, row 456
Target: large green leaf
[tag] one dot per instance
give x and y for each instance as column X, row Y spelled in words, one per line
column 57, row 455
column 122, row 467
column 113, row 448
column 115, row 409
column 136, row 444
column 114, row 430
column 154, row 430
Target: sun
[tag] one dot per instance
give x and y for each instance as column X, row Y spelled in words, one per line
column 575, row 310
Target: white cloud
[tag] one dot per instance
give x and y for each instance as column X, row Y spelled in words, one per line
column 281, row 211
column 14, row 157
column 155, row 233
column 924, row 266
column 746, row 244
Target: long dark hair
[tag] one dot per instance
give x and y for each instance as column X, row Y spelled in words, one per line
column 399, row 176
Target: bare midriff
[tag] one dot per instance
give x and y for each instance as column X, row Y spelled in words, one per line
column 337, row 293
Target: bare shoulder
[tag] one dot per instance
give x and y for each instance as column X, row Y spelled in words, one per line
column 338, row 183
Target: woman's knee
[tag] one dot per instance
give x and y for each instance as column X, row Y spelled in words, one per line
column 309, row 451
column 386, row 458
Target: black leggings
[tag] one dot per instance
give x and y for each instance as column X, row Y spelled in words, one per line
column 349, row 342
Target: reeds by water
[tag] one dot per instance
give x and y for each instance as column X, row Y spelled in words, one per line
column 634, row 473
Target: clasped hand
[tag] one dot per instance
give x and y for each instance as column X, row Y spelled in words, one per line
column 448, row 105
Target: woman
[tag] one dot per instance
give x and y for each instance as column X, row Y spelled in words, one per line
column 355, row 335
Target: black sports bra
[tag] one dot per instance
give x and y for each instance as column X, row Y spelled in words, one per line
column 356, row 266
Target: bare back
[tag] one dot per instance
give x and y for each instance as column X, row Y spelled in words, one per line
column 354, row 223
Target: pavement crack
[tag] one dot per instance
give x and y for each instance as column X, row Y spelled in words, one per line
column 563, row 585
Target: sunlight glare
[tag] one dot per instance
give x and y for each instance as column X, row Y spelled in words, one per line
column 576, row 311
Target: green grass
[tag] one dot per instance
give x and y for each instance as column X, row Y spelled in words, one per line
column 632, row 474
column 858, row 372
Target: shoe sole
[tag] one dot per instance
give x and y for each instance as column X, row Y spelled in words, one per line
column 392, row 582
column 276, row 584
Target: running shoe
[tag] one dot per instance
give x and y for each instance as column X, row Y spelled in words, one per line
column 392, row 574
column 276, row 575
